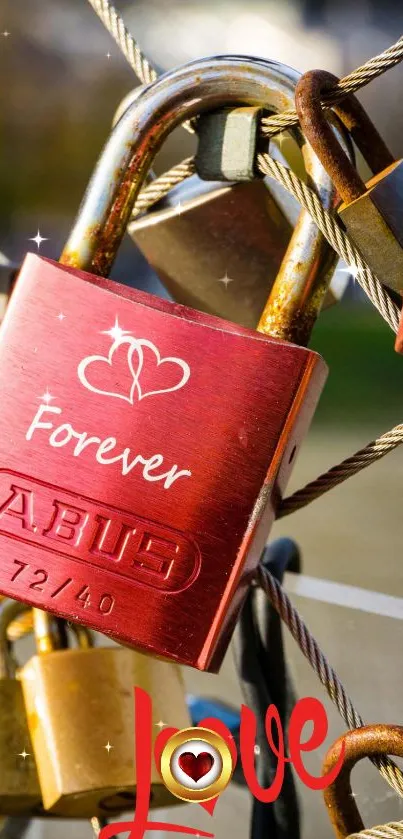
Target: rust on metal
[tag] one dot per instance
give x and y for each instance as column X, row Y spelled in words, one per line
column 369, row 741
column 299, row 290
column 315, row 126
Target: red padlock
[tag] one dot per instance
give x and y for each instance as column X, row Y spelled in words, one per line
column 143, row 445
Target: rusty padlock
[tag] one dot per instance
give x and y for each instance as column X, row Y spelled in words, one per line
column 218, row 247
column 141, row 440
column 373, row 212
column 368, row 741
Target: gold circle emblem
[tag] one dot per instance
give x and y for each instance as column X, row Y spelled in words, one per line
column 196, row 764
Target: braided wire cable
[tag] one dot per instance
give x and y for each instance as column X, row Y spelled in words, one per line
column 393, row 830
column 346, row 469
column 378, row 448
column 327, row 676
column 160, row 187
column 360, row 77
column 113, row 22
column 335, row 235
column 147, row 73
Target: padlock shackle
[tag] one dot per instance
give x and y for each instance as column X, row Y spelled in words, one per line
column 9, row 611
column 319, row 134
column 84, row 636
column 368, row 741
column 177, row 96
column 46, row 636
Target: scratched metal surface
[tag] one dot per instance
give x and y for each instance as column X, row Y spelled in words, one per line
column 354, row 536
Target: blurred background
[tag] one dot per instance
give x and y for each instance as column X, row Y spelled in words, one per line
column 62, row 77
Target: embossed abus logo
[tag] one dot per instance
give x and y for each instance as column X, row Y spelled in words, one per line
column 197, row 764
column 56, row 520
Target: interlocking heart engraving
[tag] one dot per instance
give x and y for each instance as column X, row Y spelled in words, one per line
column 134, row 358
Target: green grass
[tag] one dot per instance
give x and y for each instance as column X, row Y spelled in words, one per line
column 365, row 382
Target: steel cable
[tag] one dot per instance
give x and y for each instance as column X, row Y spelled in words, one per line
column 327, row 676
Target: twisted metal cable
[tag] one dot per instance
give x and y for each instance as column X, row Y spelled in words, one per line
column 113, row 22
column 393, row 830
column 378, row 448
column 147, row 73
column 335, row 235
column 160, row 187
column 360, row 77
column 337, row 474
column 327, row 676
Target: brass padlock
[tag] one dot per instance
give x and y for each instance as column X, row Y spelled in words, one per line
column 81, row 716
column 368, row 741
column 218, row 247
column 19, row 785
column 373, row 212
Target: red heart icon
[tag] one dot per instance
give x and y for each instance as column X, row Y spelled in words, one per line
column 196, row 766
column 213, row 725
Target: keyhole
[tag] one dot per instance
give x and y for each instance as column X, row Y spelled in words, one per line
column 292, row 455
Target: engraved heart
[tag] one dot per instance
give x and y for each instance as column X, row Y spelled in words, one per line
column 196, row 766
column 125, row 381
column 146, row 366
column 124, row 375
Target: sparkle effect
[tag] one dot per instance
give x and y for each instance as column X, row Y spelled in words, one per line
column 108, row 747
column 226, row 280
column 108, row 55
column 61, row 316
column 6, row 34
column 46, row 397
column 38, row 239
column 116, row 332
column 160, row 724
column 24, row 754
column 349, row 269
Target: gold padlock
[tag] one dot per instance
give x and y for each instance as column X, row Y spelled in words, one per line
column 19, row 785
column 80, row 712
column 218, row 247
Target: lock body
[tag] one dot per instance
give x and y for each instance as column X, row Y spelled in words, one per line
column 19, row 785
column 375, row 224
column 143, row 450
column 216, row 247
column 79, row 701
